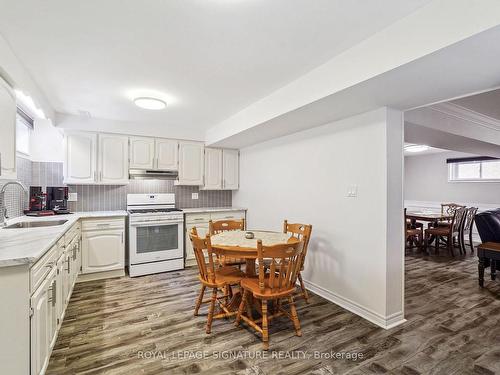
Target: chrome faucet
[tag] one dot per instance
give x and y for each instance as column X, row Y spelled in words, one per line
column 3, row 209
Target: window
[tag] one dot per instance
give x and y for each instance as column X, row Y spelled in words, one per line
column 24, row 127
column 474, row 169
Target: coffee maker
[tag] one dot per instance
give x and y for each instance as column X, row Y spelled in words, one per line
column 57, row 199
column 38, row 203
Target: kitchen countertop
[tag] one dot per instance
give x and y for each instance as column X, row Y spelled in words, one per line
column 198, row 210
column 27, row 245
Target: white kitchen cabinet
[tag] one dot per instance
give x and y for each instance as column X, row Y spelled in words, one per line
column 103, row 250
column 80, row 165
column 7, row 132
column 221, row 169
column 191, row 163
column 167, row 154
column 213, row 169
column 40, row 328
column 113, row 159
column 142, row 153
column 230, row 168
column 52, row 317
column 94, row 159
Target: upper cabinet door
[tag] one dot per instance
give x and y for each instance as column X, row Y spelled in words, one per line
column 142, row 153
column 191, row 160
column 231, row 169
column 167, row 154
column 80, row 165
column 113, row 159
column 7, row 132
column 213, row 169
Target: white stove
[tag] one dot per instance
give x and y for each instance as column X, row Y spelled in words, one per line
column 156, row 234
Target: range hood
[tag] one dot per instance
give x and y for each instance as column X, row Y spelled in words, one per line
column 144, row 174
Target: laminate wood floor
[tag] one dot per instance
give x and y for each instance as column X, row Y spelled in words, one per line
column 144, row 325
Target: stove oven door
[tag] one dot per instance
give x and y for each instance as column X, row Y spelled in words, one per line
column 156, row 241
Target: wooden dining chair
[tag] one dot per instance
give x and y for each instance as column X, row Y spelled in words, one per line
column 219, row 226
column 447, row 209
column 467, row 227
column 213, row 277
column 277, row 285
column 448, row 233
column 302, row 232
column 413, row 234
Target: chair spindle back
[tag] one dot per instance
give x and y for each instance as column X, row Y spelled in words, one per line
column 201, row 245
column 283, row 260
column 219, row 226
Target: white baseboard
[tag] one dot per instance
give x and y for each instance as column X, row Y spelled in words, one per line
column 83, row 277
column 385, row 322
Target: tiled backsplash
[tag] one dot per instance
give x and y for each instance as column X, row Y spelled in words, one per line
column 107, row 197
column 15, row 199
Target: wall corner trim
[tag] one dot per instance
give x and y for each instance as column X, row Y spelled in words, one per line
column 386, row 322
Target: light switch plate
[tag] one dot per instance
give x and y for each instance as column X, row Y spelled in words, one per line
column 194, row 195
column 72, row 197
column 352, row 191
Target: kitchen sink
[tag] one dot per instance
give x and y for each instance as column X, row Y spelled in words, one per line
column 35, row 224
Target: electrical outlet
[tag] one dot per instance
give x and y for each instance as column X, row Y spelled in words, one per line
column 72, row 197
column 194, row 195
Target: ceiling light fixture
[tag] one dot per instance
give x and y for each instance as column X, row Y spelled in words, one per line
column 150, row 103
column 416, row 148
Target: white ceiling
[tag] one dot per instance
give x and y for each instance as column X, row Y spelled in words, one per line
column 486, row 103
column 210, row 57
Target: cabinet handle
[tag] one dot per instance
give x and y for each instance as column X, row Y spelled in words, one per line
column 67, row 261
column 100, row 176
column 95, row 176
column 50, row 264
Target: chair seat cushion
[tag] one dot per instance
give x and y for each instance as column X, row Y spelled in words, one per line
column 252, row 284
column 438, row 231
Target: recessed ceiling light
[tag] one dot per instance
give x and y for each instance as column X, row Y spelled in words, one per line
column 416, row 148
column 150, row 103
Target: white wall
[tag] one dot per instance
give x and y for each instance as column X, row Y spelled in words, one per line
column 426, row 180
column 46, row 142
column 305, row 176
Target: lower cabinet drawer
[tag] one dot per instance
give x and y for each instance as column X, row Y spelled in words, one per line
column 105, row 223
column 227, row 215
column 42, row 268
column 197, row 218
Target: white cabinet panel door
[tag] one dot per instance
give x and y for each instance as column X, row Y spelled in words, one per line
column 113, row 159
column 231, row 169
column 191, row 161
column 213, row 169
column 142, row 153
column 202, row 230
column 167, row 154
column 40, row 329
column 80, row 161
column 52, row 317
column 103, row 250
column 7, row 132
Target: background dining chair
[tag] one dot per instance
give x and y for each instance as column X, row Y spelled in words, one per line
column 278, row 284
column 448, row 233
column 413, row 235
column 302, row 232
column 467, row 227
column 219, row 226
column 448, row 209
column 213, row 277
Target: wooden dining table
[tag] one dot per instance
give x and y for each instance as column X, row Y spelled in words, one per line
column 234, row 244
column 429, row 216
